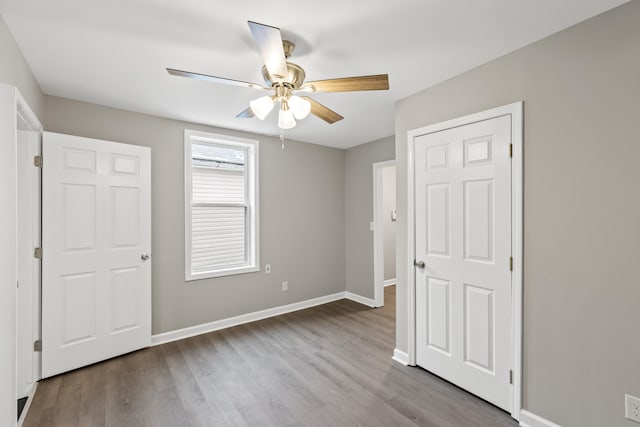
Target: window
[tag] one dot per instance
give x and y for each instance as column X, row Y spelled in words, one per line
column 221, row 206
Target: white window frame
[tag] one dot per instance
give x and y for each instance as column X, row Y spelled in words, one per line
column 251, row 181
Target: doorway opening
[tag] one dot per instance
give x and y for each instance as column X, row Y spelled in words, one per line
column 384, row 229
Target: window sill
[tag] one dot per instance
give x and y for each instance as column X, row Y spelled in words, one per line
column 189, row 277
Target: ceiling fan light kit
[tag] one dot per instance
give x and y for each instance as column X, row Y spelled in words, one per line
column 285, row 117
column 286, row 79
column 261, row 107
column 300, row 107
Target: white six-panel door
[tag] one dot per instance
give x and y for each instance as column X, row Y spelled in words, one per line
column 463, row 235
column 96, row 286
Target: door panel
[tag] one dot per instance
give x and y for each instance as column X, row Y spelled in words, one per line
column 463, row 233
column 125, row 294
column 478, row 220
column 78, row 217
column 79, row 305
column 478, row 327
column 438, row 312
column 438, row 219
column 96, row 224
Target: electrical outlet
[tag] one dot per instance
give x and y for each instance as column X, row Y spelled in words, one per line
column 285, row 286
column 632, row 408
column 267, row 268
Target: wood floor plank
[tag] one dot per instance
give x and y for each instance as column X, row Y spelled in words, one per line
column 329, row 365
column 197, row 409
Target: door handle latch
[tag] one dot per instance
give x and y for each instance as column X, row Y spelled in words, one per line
column 145, row 256
column 419, row 263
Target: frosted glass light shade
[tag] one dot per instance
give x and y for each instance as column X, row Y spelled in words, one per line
column 300, row 107
column 286, row 119
column 262, row 106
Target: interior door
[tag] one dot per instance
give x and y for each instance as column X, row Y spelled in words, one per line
column 463, row 236
column 96, row 232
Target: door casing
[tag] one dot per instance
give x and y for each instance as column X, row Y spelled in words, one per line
column 13, row 110
column 516, row 112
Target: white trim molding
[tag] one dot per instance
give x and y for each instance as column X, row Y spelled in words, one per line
column 12, row 107
column 390, row 282
column 360, row 299
column 229, row 322
column 517, row 245
column 401, row 357
column 529, row 419
column 515, row 110
column 217, row 325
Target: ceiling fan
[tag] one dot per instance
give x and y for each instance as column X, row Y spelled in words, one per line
column 286, row 80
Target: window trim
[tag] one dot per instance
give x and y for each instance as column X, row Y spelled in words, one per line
column 252, row 203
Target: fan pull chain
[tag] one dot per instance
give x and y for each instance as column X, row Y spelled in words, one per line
column 282, row 139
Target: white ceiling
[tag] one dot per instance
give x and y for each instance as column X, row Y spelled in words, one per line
column 114, row 52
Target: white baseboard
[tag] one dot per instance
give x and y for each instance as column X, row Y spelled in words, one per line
column 239, row 320
column 528, row 419
column 359, row 298
column 25, row 410
column 390, row 282
column 401, row 357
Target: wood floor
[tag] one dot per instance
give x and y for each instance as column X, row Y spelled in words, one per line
column 325, row 366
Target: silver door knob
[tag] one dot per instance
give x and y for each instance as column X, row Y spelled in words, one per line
column 145, row 256
column 419, row 263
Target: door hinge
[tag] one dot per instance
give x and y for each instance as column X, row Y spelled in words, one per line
column 510, row 376
column 510, row 263
column 510, row 150
column 37, row 345
column 37, row 161
column 37, row 253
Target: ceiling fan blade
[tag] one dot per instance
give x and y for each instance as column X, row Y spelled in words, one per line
column 269, row 42
column 323, row 112
column 246, row 114
column 350, row 84
column 214, row 79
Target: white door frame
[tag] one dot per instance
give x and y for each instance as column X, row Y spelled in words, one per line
column 516, row 112
column 29, row 197
column 378, row 232
column 12, row 107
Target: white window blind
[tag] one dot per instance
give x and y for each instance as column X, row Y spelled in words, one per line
column 218, row 231
column 216, row 185
column 222, row 207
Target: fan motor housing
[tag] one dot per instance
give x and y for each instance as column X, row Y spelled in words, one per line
column 295, row 76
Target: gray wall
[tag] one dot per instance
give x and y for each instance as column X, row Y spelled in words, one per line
column 388, row 205
column 358, row 187
column 581, row 89
column 301, row 217
column 15, row 71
